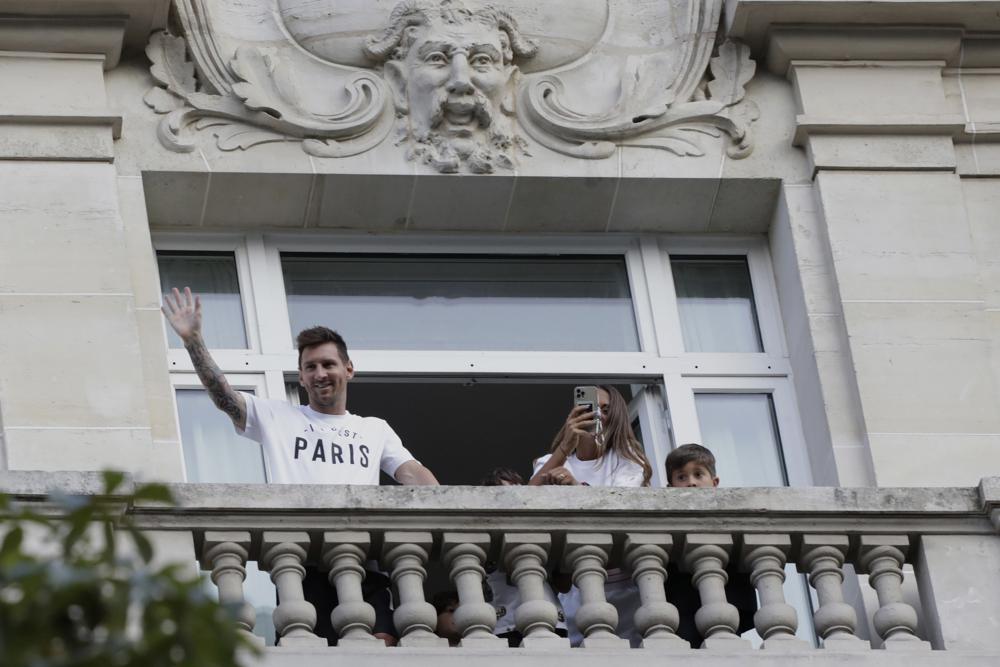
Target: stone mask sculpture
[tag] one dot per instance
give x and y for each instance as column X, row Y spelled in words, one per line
column 452, row 74
column 459, row 79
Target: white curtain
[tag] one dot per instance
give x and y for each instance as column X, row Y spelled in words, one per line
column 213, row 278
column 715, row 300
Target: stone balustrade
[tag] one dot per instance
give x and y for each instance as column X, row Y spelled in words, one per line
column 943, row 541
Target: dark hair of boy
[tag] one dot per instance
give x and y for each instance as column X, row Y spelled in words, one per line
column 444, row 599
column 689, row 453
column 502, row 477
column 318, row 336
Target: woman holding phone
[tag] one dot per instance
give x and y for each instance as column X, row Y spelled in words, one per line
column 597, row 448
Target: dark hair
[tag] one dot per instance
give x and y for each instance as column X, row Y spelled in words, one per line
column 690, row 453
column 617, row 434
column 318, row 336
column 443, row 599
column 500, row 476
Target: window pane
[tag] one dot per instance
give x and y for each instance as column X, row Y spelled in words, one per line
column 464, row 303
column 715, row 299
column 212, row 276
column 740, row 430
column 213, row 452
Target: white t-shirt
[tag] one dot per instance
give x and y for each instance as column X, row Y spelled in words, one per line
column 506, row 599
column 302, row 446
column 609, row 470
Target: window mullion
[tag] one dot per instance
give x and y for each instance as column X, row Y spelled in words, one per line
column 663, row 299
column 275, row 331
column 683, row 412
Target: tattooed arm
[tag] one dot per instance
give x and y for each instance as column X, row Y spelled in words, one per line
column 183, row 311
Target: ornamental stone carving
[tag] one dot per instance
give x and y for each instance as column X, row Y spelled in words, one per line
column 468, row 86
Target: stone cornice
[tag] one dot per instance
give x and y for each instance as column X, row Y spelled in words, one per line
column 964, row 33
column 99, row 27
column 919, row 511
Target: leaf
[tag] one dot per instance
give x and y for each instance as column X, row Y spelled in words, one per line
column 109, row 541
column 170, row 64
column 158, row 493
column 672, row 142
column 142, row 545
column 112, row 480
column 732, row 69
column 256, row 88
column 11, row 543
column 161, row 101
column 241, row 137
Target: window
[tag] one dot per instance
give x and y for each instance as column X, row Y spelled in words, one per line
column 213, row 277
column 213, row 452
column 454, row 336
column 715, row 300
column 442, row 302
column 441, row 325
column 744, row 438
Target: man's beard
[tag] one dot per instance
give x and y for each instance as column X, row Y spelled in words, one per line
column 487, row 145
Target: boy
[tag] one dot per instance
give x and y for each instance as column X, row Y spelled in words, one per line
column 693, row 466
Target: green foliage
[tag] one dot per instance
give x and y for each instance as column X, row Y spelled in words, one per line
column 87, row 594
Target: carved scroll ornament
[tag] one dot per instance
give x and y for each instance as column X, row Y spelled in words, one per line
column 462, row 82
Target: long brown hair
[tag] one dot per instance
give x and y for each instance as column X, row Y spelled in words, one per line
column 617, row 435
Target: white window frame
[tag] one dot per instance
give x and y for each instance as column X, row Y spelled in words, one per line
column 236, row 244
column 255, row 383
column 661, row 359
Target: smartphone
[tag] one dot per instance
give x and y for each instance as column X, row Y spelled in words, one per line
column 587, row 396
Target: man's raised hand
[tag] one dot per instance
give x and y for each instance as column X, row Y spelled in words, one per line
column 183, row 311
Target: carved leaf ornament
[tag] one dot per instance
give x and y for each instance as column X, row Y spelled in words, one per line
column 460, row 80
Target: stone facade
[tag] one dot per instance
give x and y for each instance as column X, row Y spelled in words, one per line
column 861, row 138
column 866, row 154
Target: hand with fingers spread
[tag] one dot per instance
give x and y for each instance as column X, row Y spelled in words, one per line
column 183, row 312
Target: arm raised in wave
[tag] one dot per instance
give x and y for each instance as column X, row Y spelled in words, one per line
column 183, row 312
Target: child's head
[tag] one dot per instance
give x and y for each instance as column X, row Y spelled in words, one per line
column 692, row 466
column 445, row 603
column 502, row 477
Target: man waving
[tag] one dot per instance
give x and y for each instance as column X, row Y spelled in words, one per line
column 318, row 443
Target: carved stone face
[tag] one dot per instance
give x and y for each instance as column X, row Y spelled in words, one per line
column 456, row 79
column 451, row 74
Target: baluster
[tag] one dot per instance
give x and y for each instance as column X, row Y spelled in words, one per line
column 344, row 552
column 524, row 556
column 835, row 620
column 706, row 556
column 294, row 618
column 405, row 555
column 776, row 620
column 882, row 558
column 225, row 554
column 464, row 554
column 586, row 555
column 656, row 619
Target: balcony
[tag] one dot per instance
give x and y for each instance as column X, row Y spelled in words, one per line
column 945, row 542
